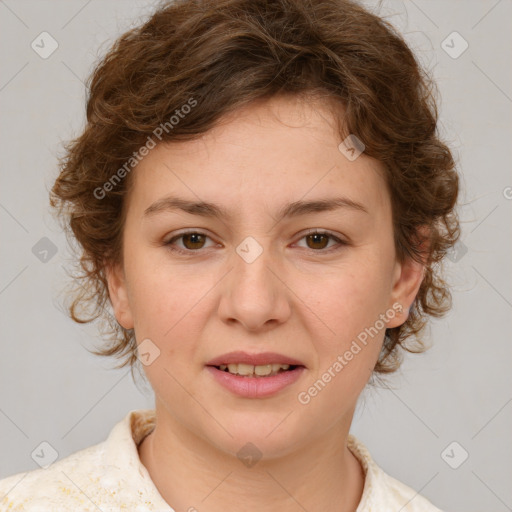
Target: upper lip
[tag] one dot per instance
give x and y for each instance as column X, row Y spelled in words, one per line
column 253, row 359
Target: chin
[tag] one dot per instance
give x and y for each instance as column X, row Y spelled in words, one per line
column 261, row 435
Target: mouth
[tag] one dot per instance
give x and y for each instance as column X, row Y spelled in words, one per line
column 255, row 375
column 256, row 371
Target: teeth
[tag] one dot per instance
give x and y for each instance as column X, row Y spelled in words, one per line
column 263, row 369
column 248, row 370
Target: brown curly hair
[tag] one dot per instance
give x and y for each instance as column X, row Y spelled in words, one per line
column 223, row 54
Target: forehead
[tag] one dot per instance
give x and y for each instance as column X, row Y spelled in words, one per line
column 267, row 153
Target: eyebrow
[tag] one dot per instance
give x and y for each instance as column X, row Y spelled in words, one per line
column 294, row 209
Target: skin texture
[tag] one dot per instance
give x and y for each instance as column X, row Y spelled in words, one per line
column 305, row 299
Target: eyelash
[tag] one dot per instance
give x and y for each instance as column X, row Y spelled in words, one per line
column 172, row 248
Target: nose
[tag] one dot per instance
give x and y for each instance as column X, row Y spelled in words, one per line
column 254, row 292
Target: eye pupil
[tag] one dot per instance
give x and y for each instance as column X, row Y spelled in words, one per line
column 194, row 242
column 315, row 237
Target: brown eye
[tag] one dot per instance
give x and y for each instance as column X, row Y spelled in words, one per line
column 193, row 240
column 318, row 240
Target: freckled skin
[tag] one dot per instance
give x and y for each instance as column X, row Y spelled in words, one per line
column 293, row 299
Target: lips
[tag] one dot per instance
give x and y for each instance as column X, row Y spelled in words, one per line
column 255, row 387
column 261, row 383
column 263, row 358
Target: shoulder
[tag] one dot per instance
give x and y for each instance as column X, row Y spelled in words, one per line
column 382, row 491
column 57, row 485
column 105, row 476
column 399, row 494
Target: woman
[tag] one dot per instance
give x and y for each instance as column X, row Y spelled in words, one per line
column 261, row 197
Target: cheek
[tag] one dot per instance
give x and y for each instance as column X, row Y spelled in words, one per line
column 159, row 292
column 346, row 310
column 169, row 307
column 347, row 300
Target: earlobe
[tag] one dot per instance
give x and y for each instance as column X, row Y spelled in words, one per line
column 118, row 294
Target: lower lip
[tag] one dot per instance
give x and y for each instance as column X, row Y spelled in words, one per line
column 255, row 387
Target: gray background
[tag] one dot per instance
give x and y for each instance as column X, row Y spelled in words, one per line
column 52, row 389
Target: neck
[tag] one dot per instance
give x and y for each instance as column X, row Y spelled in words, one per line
column 191, row 474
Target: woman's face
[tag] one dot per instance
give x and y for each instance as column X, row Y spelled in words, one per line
column 248, row 279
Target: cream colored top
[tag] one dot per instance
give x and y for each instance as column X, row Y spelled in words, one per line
column 109, row 477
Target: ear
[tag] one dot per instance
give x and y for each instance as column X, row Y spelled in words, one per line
column 119, row 295
column 407, row 279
